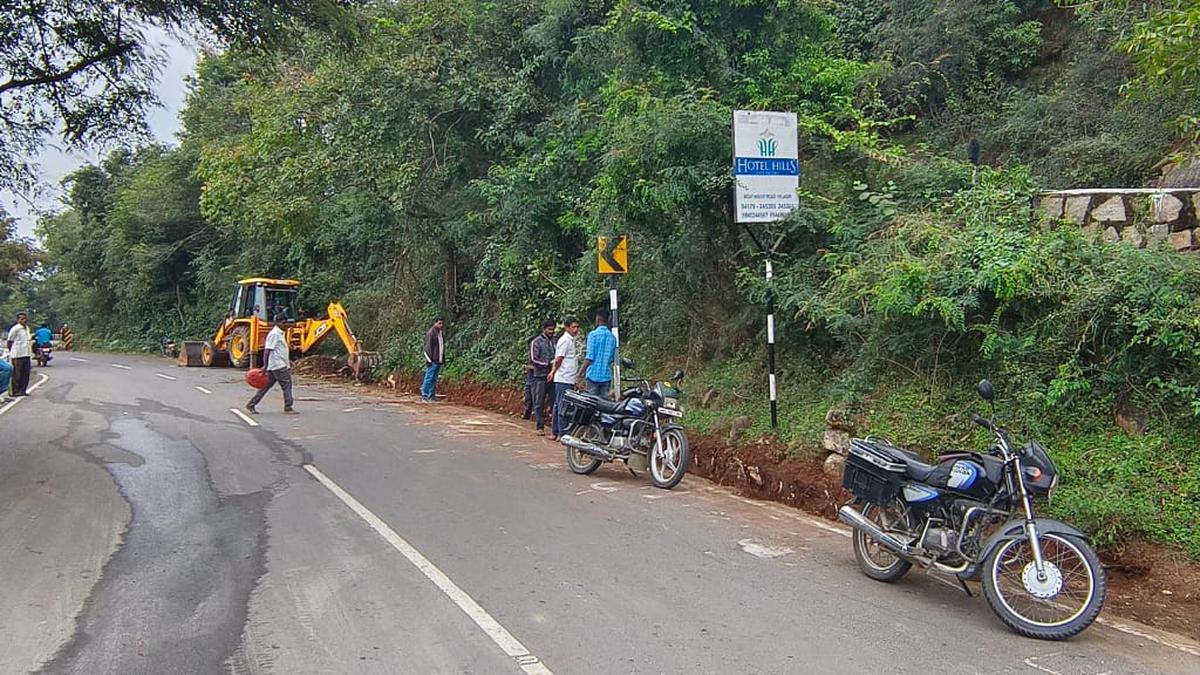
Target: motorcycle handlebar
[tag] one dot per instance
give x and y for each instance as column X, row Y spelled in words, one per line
column 982, row 422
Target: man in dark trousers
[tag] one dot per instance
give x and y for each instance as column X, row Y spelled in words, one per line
column 541, row 355
column 435, row 357
column 277, row 362
column 20, row 354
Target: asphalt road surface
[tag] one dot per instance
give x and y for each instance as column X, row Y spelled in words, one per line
column 147, row 528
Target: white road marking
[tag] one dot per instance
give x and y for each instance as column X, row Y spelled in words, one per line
column 76, row 358
column 351, row 409
column 244, row 416
column 1176, row 642
column 165, row 377
column 759, row 551
column 606, row 486
column 32, row 387
column 202, row 390
column 117, row 365
column 498, row 633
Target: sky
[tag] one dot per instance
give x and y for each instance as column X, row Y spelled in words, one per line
column 55, row 162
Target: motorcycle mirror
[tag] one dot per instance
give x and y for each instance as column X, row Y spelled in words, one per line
column 678, row 376
column 628, row 362
column 986, row 391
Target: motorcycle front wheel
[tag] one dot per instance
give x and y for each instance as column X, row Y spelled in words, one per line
column 1058, row 605
column 579, row 462
column 668, row 466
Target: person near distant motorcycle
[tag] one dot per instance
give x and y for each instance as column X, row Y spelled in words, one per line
column 564, row 372
column 601, row 349
column 20, row 352
column 541, row 357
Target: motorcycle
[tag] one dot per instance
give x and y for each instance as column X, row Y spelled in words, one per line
column 43, row 355
column 972, row 515
column 644, row 422
column 168, row 347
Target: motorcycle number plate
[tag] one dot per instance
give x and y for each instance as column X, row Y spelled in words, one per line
column 670, row 412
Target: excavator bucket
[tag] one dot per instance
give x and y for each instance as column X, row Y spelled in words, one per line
column 362, row 363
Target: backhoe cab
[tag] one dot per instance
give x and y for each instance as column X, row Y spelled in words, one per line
column 240, row 338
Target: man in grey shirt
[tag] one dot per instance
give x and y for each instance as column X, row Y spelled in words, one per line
column 541, row 355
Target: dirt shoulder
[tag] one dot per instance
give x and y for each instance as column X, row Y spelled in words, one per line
column 1148, row 583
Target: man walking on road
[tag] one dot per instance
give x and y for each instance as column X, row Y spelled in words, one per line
column 564, row 373
column 20, row 352
column 541, row 355
column 601, row 348
column 435, row 357
column 277, row 360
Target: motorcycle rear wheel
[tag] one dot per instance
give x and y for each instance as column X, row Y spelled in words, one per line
column 875, row 560
column 579, row 462
column 1057, row 608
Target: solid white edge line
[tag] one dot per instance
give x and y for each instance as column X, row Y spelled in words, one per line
column 498, row 633
column 202, row 390
column 8, row 406
column 244, row 416
column 117, row 365
column 165, row 377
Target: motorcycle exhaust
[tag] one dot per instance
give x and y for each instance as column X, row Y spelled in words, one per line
column 852, row 517
column 586, row 448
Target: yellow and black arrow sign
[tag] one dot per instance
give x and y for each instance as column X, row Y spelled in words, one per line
column 613, row 255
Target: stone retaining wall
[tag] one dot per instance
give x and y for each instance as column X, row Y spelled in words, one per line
column 1136, row 216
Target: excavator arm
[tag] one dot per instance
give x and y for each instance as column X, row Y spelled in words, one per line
column 316, row 330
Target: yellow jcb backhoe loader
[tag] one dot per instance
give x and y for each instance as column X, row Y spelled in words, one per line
column 239, row 339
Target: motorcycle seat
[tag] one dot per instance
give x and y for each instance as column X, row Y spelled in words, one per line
column 916, row 468
column 604, row 405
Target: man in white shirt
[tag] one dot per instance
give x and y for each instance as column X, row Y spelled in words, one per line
column 276, row 356
column 564, row 373
column 20, row 352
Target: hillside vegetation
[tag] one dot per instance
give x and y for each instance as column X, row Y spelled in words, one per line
column 459, row 157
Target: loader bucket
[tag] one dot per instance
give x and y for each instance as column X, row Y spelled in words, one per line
column 190, row 355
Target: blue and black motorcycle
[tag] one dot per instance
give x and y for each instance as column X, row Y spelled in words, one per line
column 642, row 423
column 972, row 515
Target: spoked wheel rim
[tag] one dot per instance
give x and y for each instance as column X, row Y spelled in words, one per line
column 666, row 463
column 580, row 462
column 894, row 518
column 1059, row 598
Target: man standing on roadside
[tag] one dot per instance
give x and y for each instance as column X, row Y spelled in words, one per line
column 435, row 357
column 277, row 360
column 601, row 348
column 564, row 373
column 541, row 355
column 20, row 352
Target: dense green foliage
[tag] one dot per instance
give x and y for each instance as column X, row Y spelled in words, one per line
column 459, row 157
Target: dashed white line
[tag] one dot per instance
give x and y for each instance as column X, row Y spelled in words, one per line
column 15, row 401
column 165, row 377
column 498, row 633
column 244, row 416
column 76, row 358
column 117, row 365
column 202, row 390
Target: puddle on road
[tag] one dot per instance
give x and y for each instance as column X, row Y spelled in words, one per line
column 174, row 597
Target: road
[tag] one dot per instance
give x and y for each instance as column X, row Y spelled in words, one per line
column 147, row 528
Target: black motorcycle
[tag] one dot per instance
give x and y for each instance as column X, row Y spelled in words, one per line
column 43, row 354
column 973, row 515
column 642, row 423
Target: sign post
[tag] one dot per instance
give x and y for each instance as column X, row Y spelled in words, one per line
column 766, row 168
column 612, row 260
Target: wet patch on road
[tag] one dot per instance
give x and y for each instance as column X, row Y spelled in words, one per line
column 174, row 598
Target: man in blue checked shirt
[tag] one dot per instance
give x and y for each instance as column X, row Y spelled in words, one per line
column 601, row 348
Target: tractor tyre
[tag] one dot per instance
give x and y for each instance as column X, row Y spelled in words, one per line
column 239, row 347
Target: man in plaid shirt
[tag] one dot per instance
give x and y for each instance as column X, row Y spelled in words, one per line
column 601, row 348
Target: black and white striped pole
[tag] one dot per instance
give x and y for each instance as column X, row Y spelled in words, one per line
column 616, row 331
column 771, row 345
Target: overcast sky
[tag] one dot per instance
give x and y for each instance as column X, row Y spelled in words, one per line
column 56, row 163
